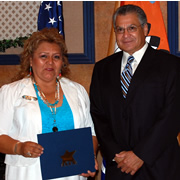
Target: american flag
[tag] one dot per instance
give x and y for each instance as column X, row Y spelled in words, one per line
column 50, row 15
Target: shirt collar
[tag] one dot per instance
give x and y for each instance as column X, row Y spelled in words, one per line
column 137, row 55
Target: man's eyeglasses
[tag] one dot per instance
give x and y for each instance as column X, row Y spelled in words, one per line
column 130, row 29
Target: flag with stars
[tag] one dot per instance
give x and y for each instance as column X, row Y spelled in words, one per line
column 50, row 15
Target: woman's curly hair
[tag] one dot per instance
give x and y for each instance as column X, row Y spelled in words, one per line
column 50, row 35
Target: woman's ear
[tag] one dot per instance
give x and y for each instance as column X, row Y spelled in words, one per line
column 31, row 61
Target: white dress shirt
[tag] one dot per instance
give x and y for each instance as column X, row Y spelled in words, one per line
column 137, row 58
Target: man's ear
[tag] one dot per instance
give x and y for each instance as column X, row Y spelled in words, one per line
column 146, row 30
column 149, row 27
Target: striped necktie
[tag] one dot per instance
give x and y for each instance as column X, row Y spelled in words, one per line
column 126, row 76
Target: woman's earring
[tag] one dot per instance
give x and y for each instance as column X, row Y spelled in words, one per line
column 30, row 71
column 59, row 76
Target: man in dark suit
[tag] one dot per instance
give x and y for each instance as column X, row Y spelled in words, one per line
column 135, row 104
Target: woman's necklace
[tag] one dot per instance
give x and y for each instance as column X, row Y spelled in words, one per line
column 55, row 129
column 51, row 106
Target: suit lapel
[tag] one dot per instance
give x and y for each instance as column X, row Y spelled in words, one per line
column 115, row 99
column 114, row 77
column 143, row 70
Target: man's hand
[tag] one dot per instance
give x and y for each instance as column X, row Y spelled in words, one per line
column 128, row 162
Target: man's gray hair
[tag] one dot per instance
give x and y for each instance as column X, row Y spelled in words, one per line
column 127, row 9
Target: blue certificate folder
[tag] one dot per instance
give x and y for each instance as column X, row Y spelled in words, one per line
column 66, row 153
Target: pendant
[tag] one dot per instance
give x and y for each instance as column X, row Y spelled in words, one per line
column 55, row 129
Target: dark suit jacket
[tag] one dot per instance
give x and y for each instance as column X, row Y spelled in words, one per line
column 146, row 122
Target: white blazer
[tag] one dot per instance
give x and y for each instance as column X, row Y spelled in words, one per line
column 21, row 118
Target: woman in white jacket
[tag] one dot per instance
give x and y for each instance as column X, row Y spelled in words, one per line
column 42, row 100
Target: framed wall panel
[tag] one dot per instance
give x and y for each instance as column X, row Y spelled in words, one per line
column 174, row 27
column 86, row 55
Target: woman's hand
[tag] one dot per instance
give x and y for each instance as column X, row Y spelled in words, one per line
column 89, row 173
column 29, row 149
